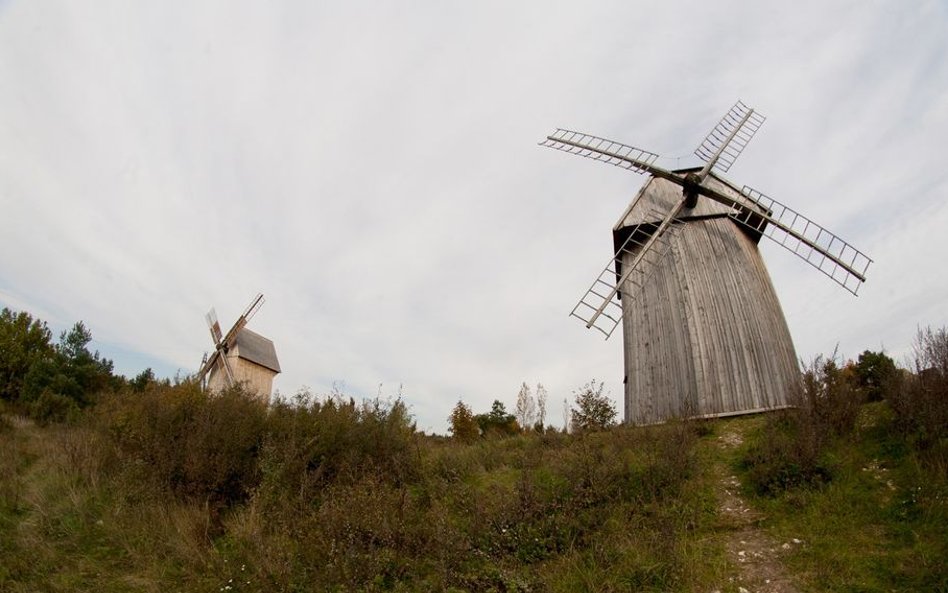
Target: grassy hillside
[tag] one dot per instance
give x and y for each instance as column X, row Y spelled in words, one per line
column 169, row 490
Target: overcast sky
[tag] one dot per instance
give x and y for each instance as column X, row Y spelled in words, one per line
column 372, row 168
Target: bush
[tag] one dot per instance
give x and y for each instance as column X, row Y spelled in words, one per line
column 876, row 373
column 194, row 444
column 791, row 451
column 831, row 398
column 497, row 422
column 52, row 407
column 920, row 400
column 311, row 443
column 787, row 455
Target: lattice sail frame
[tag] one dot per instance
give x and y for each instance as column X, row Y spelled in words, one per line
column 600, row 307
column 601, row 149
column 810, row 241
column 732, row 124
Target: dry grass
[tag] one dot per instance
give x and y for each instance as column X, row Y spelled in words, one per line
column 171, row 490
column 339, row 496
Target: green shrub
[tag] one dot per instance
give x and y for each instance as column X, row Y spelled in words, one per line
column 788, row 454
column 876, row 373
column 311, row 443
column 497, row 423
column 52, row 407
column 194, row 444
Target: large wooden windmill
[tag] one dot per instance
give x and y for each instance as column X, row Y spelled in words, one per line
column 240, row 356
column 704, row 334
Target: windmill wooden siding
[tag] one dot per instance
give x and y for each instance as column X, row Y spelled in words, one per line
column 706, row 336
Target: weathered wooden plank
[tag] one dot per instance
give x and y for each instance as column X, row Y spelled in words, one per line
column 707, row 336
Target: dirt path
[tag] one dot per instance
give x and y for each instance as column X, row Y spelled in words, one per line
column 757, row 555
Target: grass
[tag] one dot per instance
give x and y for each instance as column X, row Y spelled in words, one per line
column 80, row 509
column 880, row 523
column 120, row 502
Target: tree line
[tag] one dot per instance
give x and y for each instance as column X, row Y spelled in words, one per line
column 592, row 410
column 52, row 380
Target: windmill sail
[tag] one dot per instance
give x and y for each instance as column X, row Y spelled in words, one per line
column 208, row 364
column 214, row 325
column 242, row 320
column 814, row 244
column 224, row 343
column 726, row 141
column 649, row 244
column 601, row 149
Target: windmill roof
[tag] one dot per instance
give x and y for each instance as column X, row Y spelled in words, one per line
column 257, row 349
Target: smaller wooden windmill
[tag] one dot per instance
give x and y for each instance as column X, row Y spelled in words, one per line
column 240, row 357
column 704, row 334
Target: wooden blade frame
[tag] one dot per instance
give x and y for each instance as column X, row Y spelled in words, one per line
column 214, row 326
column 600, row 149
column 648, row 244
column 727, row 140
column 822, row 249
column 249, row 312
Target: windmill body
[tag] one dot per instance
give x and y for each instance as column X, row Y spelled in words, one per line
column 704, row 334
column 253, row 362
column 240, row 357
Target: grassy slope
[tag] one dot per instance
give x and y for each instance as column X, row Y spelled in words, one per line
column 521, row 514
column 880, row 524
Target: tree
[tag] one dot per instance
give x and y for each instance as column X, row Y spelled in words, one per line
column 462, row 424
column 920, row 399
column 526, row 407
column 593, row 411
column 875, row 372
column 72, row 371
column 498, row 421
column 142, row 380
column 541, row 407
column 931, row 351
column 23, row 342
